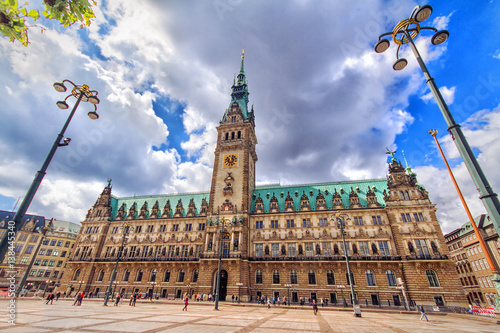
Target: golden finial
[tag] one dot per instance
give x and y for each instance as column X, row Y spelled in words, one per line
column 243, row 54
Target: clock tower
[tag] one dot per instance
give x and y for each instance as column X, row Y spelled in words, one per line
column 233, row 178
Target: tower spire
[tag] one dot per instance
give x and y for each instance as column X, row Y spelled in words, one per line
column 242, row 70
column 239, row 94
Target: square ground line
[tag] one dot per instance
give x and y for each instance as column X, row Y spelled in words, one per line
column 201, row 328
column 69, row 323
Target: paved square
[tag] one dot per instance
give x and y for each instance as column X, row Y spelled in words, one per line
column 34, row 315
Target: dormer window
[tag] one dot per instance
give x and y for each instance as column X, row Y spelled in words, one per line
column 233, row 119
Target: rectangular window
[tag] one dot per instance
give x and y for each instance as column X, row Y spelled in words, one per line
column 63, row 254
column 384, row 248
column 358, row 220
column 49, row 252
column 486, row 263
column 201, row 226
column 175, row 227
column 327, row 248
column 163, row 228
column 67, row 244
column 53, row 242
column 259, row 250
column 44, row 262
column 185, row 249
column 306, row 223
column 33, row 239
column 145, row 251
column 275, row 250
column 33, row 272
column 37, row 262
column 274, row 224
column 138, row 228
column 364, row 248
column 421, row 217
column 59, row 243
column 24, row 260
column 41, row 252
column 197, row 251
column 18, row 248
column 377, row 220
column 345, row 251
column 408, row 217
column 47, row 274
column 171, row 251
column 290, row 224
column 309, row 249
column 56, row 273
column 415, row 217
column 403, row 217
column 323, row 222
column 258, row 225
column 422, row 249
column 52, row 262
column 292, row 249
column 188, row 227
column 114, row 230
column 29, row 249
column 151, row 228
column 59, row 263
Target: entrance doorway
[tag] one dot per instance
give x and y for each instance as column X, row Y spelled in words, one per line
column 397, row 301
column 333, row 298
column 295, row 297
column 164, row 293
column 178, row 293
column 223, row 285
column 374, row 299
column 313, row 297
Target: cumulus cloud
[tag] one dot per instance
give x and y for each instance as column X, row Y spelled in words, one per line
column 447, row 93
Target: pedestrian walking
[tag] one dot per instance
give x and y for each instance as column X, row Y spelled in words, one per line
column 49, row 297
column 117, row 299
column 82, row 295
column 186, row 302
column 77, row 299
column 268, row 303
column 422, row 312
column 134, row 299
column 315, row 307
column 58, row 295
column 232, row 299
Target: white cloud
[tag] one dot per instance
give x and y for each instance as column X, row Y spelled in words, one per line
column 447, row 93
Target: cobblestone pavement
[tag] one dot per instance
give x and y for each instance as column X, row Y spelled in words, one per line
column 35, row 316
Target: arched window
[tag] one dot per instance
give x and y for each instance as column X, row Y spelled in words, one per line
column 139, row 275
column 258, row 276
column 180, row 278
column 276, row 276
column 370, row 278
column 293, row 277
column 330, row 277
column 101, row 275
column 239, row 134
column 391, row 278
column 349, row 281
column 232, row 135
column 432, row 278
column 227, row 136
column 126, row 275
column 166, row 277
column 153, row 276
column 312, row 277
column 195, row 276
column 77, row 275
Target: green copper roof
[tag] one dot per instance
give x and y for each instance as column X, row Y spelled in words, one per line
column 185, row 198
column 360, row 187
column 240, row 93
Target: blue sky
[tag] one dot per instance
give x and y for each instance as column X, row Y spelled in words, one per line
column 326, row 105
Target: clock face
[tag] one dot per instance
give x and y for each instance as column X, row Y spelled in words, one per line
column 230, row 160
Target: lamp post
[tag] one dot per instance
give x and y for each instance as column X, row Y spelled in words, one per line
column 288, row 286
column 44, row 231
column 80, row 285
column 153, row 284
column 81, row 93
column 114, row 288
column 493, row 266
column 342, row 287
column 125, row 226
column 403, row 290
column 217, row 287
column 239, row 284
column 340, row 219
column 404, row 33
column 46, row 286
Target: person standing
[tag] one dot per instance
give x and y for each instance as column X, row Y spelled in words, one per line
column 58, row 295
column 232, row 299
column 315, row 307
column 268, row 303
column 82, row 295
column 422, row 312
column 77, row 299
column 134, row 299
column 186, row 302
column 117, row 299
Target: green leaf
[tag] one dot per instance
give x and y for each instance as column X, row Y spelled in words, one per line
column 34, row 14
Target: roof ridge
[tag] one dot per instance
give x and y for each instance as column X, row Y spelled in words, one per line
column 326, row 183
column 160, row 195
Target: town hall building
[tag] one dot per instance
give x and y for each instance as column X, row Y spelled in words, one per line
column 273, row 240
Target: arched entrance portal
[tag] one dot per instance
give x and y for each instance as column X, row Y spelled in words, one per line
column 223, row 285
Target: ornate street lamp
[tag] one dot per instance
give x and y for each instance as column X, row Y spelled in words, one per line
column 340, row 218
column 153, row 284
column 47, row 283
column 125, row 226
column 81, row 93
column 404, row 33
column 217, row 288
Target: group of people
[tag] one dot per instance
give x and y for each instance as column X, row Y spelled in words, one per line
column 51, row 296
column 79, row 298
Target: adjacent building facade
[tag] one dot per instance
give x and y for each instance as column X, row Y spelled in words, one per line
column 471, row 264
column 274, row 240
column 46, row 243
